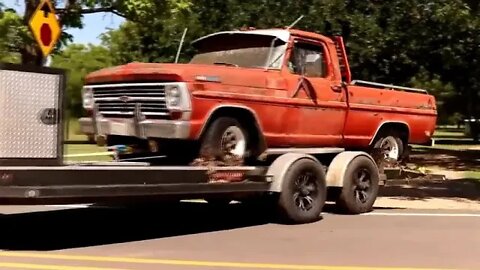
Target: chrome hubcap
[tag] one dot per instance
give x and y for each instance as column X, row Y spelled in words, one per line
column 390, row 147
column 234, row 141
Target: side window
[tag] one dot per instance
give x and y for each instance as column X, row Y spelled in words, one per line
column 308, row 59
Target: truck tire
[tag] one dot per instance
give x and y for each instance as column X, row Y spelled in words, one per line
column 393, row 145
column 303, row 193
column 360, row 187
column 225, row 139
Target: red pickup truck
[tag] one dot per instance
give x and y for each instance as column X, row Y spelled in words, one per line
column 244, row 92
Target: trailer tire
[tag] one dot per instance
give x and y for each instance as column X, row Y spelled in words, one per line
column 303, row 193
column 360, row 187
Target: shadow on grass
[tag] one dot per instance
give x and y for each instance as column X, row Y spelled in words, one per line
column 453, row 141
column 422, row 190
column 450, row 159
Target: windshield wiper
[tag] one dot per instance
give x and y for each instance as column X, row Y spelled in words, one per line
column 225, row 64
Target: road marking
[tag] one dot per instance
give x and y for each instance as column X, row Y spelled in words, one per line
column 422, row 214
column 51, row 266
column 194, row 263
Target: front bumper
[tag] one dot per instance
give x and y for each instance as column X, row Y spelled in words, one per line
column 167, row 129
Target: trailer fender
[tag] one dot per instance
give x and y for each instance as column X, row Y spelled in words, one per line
column 336, row 170
column 278, row 169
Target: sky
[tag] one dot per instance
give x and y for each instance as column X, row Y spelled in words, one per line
column 94, row 24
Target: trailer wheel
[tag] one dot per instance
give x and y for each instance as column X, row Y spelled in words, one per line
column 360, row 187
column 303, row 192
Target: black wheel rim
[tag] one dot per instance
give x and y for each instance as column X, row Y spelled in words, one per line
column 305, row 191
column 363, row 185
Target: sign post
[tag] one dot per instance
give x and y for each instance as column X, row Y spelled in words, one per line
column 45, row 27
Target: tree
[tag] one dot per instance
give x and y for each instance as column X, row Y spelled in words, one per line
column 13, row 33
column 79, row 60
column 419, row 43
column 71, row 13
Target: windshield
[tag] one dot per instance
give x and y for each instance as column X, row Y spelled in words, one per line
column 242, row 50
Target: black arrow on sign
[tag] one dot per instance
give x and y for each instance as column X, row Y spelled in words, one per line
column 46, row 9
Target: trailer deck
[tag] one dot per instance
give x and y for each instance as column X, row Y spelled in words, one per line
column 100, row 181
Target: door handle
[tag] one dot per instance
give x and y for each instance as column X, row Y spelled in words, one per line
column 337, row 88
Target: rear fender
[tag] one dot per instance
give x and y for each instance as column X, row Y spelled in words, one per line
column 279, row 168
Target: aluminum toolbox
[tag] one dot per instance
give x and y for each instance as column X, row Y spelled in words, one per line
column 31, row 115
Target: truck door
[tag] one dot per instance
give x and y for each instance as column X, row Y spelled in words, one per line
column 319, row 115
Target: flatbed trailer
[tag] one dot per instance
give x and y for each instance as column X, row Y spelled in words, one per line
column 296, row 183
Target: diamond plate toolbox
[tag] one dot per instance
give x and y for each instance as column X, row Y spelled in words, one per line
column 31, row 115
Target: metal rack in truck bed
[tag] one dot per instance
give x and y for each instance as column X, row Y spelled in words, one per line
column 296, row 183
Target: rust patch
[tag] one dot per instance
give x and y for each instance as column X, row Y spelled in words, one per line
column 423, row 106
column 367, row 101
column 215, row 176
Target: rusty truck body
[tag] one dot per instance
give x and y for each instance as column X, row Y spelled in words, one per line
column 247, row 92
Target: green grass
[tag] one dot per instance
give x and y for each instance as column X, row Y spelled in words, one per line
column 75, row 149
column 442, row 135
column 457, row 146
column 473, row 175
column 72, row 133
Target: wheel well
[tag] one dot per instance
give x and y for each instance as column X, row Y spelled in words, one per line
column 401, row 128
column 247, row 119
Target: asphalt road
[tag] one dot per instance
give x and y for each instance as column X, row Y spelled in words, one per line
column 197, row 236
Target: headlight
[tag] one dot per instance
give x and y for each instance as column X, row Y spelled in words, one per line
column 172, row 96
column 177, row 97
column 87, row 98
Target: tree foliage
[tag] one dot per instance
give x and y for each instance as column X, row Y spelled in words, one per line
column 420, row 43
column 70, row 14
column 79, row 60
column 12, row 32
column 432, row 44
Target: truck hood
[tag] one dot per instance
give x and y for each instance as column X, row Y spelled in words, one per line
column 143, row 72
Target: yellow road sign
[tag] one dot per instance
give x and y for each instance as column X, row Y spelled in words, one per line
column 45, row 26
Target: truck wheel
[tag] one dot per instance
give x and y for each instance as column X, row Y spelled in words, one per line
column 224, row 139
column 360, row 187
column 392, row 145
column 303, row 192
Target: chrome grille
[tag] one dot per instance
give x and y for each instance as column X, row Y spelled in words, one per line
column 120, row 100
